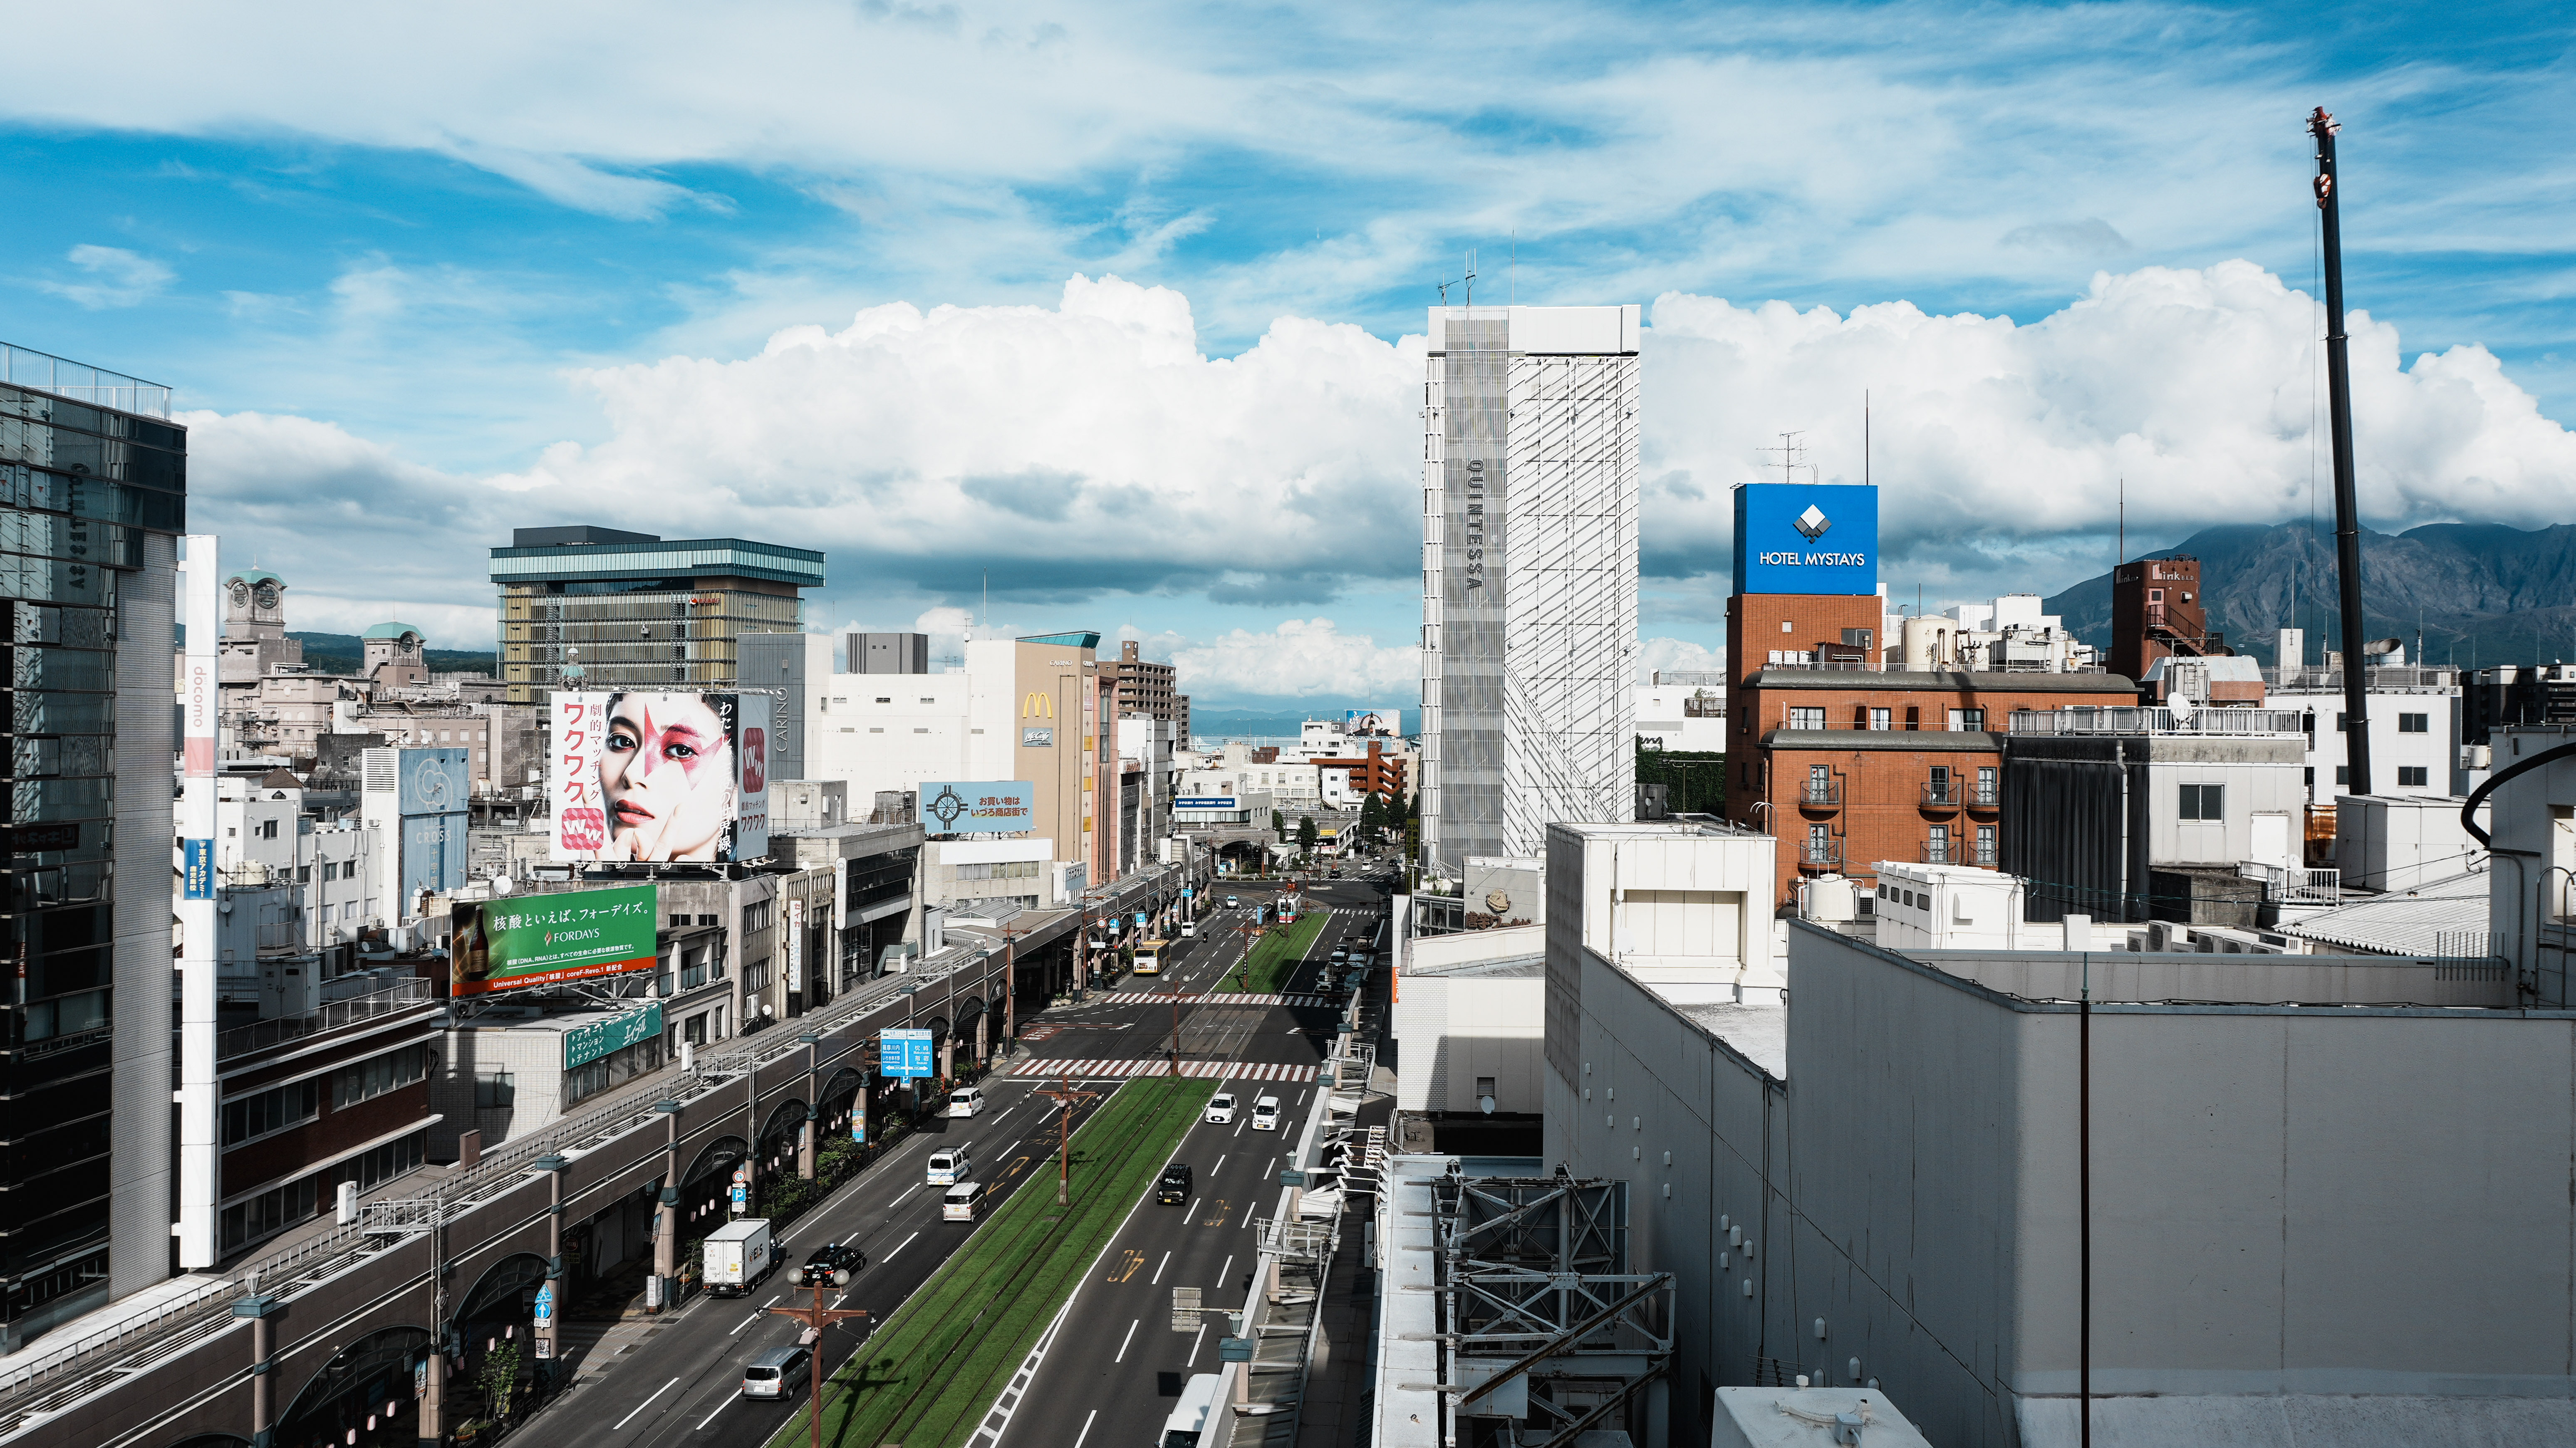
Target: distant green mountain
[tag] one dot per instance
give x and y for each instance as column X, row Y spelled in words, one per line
column 336, row 653
column 2481, row 593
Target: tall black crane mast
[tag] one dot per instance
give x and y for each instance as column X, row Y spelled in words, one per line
column 2356, row 676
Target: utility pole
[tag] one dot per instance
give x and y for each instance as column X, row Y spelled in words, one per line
column 816, row 1318
column 1064, row 1095
column 2356, row 679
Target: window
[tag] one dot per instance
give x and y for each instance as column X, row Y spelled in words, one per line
column 268, row 828
column 885, row 701
column 2310, row 777
column 272, row 1110
column 1985, row 846
column 1936, row 850
column 1986, row 784
column 758, row 916
column 1882, row 719
column 372, row 1078
column 2414, row 723
column 2411, row 778
column 2343, row 774
column 1803, row 717
column 1967, row 720
column 498, row 1091
column 2204, row 802
column 2341, row 719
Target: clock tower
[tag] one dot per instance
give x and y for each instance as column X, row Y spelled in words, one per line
column 255, row 640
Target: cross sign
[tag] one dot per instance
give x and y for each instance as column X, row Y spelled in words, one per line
column 816, row 1318
column 1064, row 1094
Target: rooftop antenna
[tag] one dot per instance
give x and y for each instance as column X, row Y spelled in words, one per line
column 1468, row 282
column 2123, row 544
column 1792, row 456
column 1864, row 437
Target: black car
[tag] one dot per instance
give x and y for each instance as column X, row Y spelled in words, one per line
column 831, row 1263
column 1174, row 1189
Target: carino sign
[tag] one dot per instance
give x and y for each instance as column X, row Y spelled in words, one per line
column 1806, row 538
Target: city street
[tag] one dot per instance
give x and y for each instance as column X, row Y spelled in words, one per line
column 680, row 1383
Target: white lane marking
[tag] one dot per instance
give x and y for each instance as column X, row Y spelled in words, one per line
column 1086, row 1427
column 1194, row 1208
column 1265, row 1171
column 775, row 1300
column 899, row 1246
column 1194, row 1348
column 748, row 1321
column 907, row 1191
column 1124, row 1341
column 854, row 1236
column 711, row 1417
column 640, row 1407
column 1224, row 1273
column 1247, row 1216
column 1220, row 1166
column 1157, row 1278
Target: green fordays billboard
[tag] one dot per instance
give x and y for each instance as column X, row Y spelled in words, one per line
column 510, row 944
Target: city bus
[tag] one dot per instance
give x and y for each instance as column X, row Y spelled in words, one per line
column 1149, row 957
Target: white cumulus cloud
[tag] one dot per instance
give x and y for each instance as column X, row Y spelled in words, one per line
column 116, row 278
column 1995, row 444
column 1300, row 658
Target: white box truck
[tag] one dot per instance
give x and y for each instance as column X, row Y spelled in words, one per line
column 738, row 1255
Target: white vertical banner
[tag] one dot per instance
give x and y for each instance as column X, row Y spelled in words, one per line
column 796, row 945
column 201, row 587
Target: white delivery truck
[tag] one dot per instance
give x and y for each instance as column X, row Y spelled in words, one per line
column 1188, row 1422
column 738, row 1255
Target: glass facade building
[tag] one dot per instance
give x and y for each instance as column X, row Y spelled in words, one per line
column 636, row 611
column 93, row 493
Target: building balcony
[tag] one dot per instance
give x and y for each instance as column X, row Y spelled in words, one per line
column 1943, row 794
column 1826, row 794
column 1820, row 854
column 1983, row 796
column 1980, row 853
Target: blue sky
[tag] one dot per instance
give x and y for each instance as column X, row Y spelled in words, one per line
column 396, row 260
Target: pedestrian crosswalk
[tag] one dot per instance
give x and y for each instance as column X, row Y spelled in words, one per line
column 1091, row 1070
column 1213, row 998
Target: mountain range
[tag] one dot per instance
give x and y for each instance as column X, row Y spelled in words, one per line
column 2480, row 593
column 339, row 653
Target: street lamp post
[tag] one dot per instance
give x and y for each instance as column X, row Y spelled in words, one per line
column 1064, row 1095
column 816, row 1318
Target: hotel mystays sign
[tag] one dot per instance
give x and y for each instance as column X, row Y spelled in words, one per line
column 1806, row 538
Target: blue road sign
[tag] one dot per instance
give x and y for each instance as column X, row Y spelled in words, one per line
column 904, row 1054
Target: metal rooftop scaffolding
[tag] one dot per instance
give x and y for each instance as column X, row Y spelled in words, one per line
column 44, row 372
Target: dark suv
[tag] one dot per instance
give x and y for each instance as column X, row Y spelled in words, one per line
column 1174, row 1189
column 831, row 1263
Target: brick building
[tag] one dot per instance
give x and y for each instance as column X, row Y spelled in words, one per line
column 1376, row 772
column 1850, row 767
column 2158, row 611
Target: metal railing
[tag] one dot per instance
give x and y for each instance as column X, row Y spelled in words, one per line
column 44, row 372
column 2124, row 719
column 2295, row 884
column 402, row 995
column 1825, row 793
column 1942, row 794
column 1820, row 852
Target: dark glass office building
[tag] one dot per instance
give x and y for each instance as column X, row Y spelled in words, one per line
column 93, row 493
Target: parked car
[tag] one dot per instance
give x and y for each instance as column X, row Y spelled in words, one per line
column 1265, row 1114
column 1220, row 1109
column 833, row 1264
column 1174, row 1189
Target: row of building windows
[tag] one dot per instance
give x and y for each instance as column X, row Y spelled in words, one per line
column 273, row 1211
column 1866, row 717
column 1002, row 870
column 71, row 1015
column 374, row 1077
column 275, row 1109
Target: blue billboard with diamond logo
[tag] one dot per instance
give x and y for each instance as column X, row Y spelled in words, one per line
column 1806, row 538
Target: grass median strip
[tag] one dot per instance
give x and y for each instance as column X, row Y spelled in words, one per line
column 1275, row 957
column 935, row 1366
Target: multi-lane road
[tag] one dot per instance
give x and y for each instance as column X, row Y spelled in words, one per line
column 1115, row 1369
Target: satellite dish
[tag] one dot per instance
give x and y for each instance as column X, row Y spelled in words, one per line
column 2385, row 646
column 503, row 885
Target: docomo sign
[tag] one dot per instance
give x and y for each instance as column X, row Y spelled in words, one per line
column 659, row 777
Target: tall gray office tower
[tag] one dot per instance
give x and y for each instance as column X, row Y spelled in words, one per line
column 95, row 483
column 1529, row 581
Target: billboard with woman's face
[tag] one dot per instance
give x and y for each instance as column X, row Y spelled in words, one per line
column 665, row 777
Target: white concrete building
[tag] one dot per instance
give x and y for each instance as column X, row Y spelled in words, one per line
column 1529, row 607
column 1681, row 713
column 1469, row 1017
column 2416, row 718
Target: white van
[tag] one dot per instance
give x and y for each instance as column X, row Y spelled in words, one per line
column 1189, row 1420
column 778, row 1372
column 950, row 1164
column 966, row 1101
column 964, row 1202
column 1189, row 930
